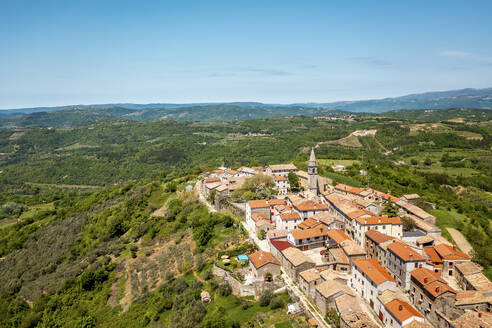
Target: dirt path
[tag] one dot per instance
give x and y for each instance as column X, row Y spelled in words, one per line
column 460, row 240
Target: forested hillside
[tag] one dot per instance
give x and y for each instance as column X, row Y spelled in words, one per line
column 80, row 242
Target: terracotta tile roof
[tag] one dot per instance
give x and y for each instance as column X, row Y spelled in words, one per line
column 335, row 198
column 281, row 244
column 360, row 213
column 473, row 319
column 352, row 190
column 424, row 276
column 330, row 288
column 373, row 270
column 351, row 248
column 358, row 320
column 437, row 288
column 258, row 203
column 262, row 258
column 283, row 167
column 347, row 303
column 338, row 255
column 231, row 172
column 210, row 180
column 276, row 234
column 479, row 282
column 425, row 239
column 309, row 233
column 378, row 220
column 313, row 322
column 213, row 185
column 404, row 252
column 337, row 235
column 411, row 196
column 416, row 324
column 448, row 252
column 295, row 256
column 279, row 178
column 311, row 274
column 310, row 205
column 277, row 201
column 471, row 297
column 401, row 310
column 258, row 216
column 290, row 216
column 260, row 223
column 432, row 255
column 415, row 210
column 377, row 236
column 467, row 268
column 308, row 223
column 258, row 168
column 389, row 295
column 218, row 171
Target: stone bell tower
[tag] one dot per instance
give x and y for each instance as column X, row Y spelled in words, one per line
column 312, row 174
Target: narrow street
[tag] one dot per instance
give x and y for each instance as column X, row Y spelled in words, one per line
column 263, row 245
column 306, row 303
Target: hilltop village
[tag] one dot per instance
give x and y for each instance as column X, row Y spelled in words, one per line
column 345, row 249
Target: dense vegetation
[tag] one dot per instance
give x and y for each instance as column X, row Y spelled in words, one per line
column 96, row 228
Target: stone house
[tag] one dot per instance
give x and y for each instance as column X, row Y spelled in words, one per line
column 308, row 238
column 398, row 314
column 308, row 280
column 294, row 262
column 401, row 260
column 262, row 262
column 369, row 278
column 328, row 291
column 428, row 292
column 389, row 226
column 373, row 239
column 280, row 169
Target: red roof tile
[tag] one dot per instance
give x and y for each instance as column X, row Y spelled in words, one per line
column 373, row 270
column 404, row 252
column 402, row 310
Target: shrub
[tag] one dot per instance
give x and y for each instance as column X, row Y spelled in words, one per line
column 277, row 302
column 266, row 297
column 225, row 289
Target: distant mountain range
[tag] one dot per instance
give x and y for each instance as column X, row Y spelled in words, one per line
column 67, row 116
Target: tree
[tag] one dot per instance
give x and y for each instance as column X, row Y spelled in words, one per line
column 414, row 162
column 408, row 224
column 262, row 192
column 428, row 161
column 268, row 276
column 212, row 195
column 333, row 318
column 390, row 209
column 225, row 289
column 266, row 297
column 293, row 181
column 277, row 302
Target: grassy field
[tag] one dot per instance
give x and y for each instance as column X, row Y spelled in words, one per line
column 445, row 219
column 344, row 162
column 342, row 179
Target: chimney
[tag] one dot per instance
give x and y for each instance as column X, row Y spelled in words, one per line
column 454, row 247
column 479, row 314
column 411, row 256
column 425, row 280
column 437, row 289
column 400, row 307
column 379, row 220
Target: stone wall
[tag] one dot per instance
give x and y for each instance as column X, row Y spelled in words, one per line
column 240, row 289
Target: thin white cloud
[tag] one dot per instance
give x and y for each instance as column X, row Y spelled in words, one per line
column 466, row 55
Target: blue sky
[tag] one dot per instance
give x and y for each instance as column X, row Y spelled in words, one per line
column 86, row 52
